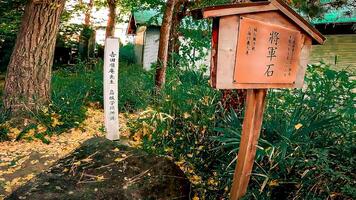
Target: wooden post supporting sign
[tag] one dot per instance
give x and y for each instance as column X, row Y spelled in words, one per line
column 255, row 104
column 111, row 68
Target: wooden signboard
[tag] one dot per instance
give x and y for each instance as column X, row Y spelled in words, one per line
column 111, row 69
column 266, row 53
column 256, row 46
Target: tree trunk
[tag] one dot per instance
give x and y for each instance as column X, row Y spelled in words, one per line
column 28, row 78
column 110, row 28
column 180, row 10
column 86, row 49
column 163, row 45
column 88, row 13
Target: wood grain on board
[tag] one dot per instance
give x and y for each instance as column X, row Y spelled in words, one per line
column 238, row 10
column 266, row 53
column 255, row 103
column 228, row 32
column 227, row 47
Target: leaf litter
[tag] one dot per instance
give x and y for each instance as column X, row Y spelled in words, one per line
column 21, row 160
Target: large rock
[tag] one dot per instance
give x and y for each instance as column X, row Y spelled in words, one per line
column 102, row 169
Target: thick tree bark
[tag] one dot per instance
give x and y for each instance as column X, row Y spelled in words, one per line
column 28, row 78
column 163, row 45
column 110, row 28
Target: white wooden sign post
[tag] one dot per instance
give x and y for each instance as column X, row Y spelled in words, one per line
column 111, row 69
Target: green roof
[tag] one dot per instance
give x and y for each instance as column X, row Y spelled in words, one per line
column 337, row 16
column 344, row 14
column 148, row 17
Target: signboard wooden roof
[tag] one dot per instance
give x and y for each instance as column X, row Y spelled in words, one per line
column 259, row 45
column 254, row 7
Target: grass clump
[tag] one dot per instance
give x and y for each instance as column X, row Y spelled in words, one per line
column 135, row 87
column 306, row 147
column 73, row 89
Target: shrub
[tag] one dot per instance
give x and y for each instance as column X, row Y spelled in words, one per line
column 73, row 87
column 304, row 150
column 127, row 54
column 4, row 129
column 180, row 122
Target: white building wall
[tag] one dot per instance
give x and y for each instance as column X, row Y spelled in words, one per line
column 139, row 44
column 151, row 44
column 147, row 44
column 120, row 32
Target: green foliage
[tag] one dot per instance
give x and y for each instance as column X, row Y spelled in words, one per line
column 4, row 130
column 311, row 9
column 306, row 145
column 187, row 105
column 180, row 123
column 4, row 133
column 73, row 88
column 10, row 20
column 306, row 141
column 141, row 4
column 206, row 3
column 87, row 43
column 11, row 12
column 68, row 35
column 127, row 54
column 196, row 45
column 135, row 87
